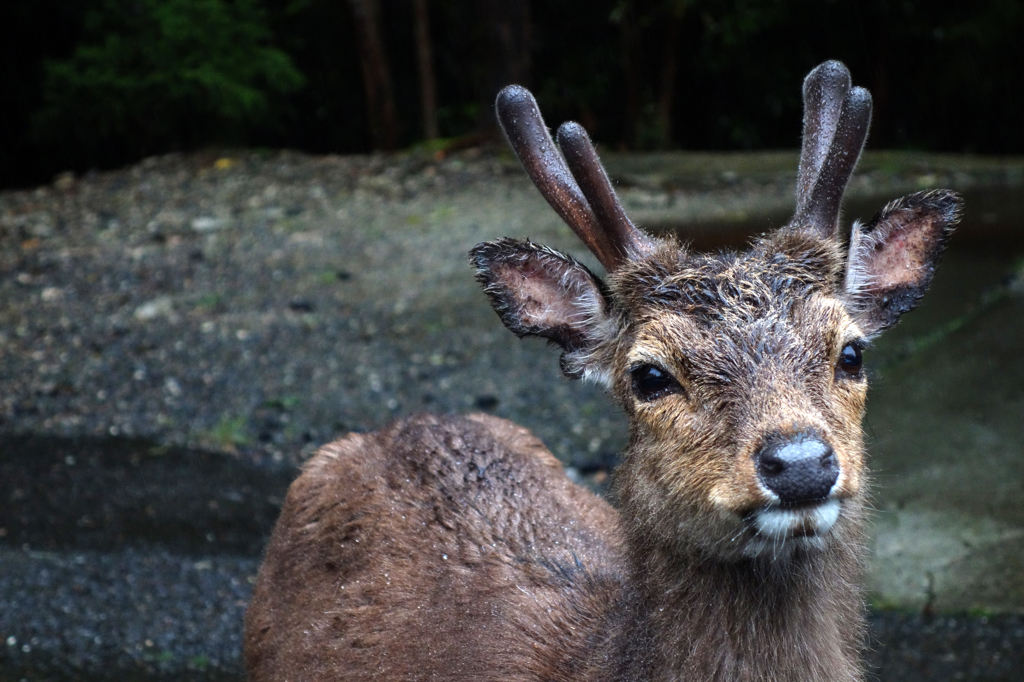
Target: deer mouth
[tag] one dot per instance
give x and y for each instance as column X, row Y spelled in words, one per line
column 803, row 525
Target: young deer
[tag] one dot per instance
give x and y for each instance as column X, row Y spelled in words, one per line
column 455, row 548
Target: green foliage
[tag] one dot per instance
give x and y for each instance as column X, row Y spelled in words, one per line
column 167, row 72
column 228, row 434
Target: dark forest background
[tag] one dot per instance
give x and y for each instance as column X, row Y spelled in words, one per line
column 101, row 83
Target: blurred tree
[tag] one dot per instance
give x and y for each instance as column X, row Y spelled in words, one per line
column 380, row 94
column 674, row 11
column 108, row 81
column 630, row 22
column 425, row 61
column 650, row 33
column 507, row 53
column 158, row 74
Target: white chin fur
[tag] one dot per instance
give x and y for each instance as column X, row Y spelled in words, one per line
column 781, row 530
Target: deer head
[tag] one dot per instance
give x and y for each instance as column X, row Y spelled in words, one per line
column 741, row 373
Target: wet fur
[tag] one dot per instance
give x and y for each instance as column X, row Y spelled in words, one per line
column 434, row 518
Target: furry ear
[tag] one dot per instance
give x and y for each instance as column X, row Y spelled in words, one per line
column 893, row 257
column 539, row 292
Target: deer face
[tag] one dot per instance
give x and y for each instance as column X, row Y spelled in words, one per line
column 740, row 373
column 741, row 378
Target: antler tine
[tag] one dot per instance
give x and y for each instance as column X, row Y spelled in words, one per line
column 825, row 88
column 525, row 130
column 586, row 167
column 821, row 209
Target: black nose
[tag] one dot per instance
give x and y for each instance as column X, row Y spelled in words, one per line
column 798, row 469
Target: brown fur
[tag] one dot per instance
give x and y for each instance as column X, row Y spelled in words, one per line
column 431, row 518
column 455, row 548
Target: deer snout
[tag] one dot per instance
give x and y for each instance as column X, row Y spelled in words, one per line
column 798, row 469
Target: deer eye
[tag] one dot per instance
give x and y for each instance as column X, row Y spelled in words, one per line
column 851, row 359
column 650, row 382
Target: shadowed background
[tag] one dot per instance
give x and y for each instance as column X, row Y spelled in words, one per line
column 99, row 83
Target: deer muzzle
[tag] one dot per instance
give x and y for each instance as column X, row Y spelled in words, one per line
column 799, row 474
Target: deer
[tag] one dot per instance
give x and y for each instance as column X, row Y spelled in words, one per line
column 456, row 548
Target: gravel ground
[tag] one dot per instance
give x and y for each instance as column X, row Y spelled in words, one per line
column 175, row 337
column 267, row 306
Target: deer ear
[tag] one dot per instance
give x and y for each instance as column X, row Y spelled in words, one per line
column 893, row 257
column 539, row 292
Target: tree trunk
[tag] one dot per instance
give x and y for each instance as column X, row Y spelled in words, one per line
column 425, row 59
column 633, row 74
column 667, row 89
column 508, row 52
column 380, row 95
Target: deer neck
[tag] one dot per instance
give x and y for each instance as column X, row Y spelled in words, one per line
column 799, row 618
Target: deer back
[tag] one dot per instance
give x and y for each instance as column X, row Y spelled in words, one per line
column 450, row 547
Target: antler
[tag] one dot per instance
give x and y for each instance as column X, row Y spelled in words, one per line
column 590, row 174
column 594, row 212
column 836, row 120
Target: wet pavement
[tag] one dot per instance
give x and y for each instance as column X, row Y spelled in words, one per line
column 946, row 421
column 125, row 560
column 176, row 337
